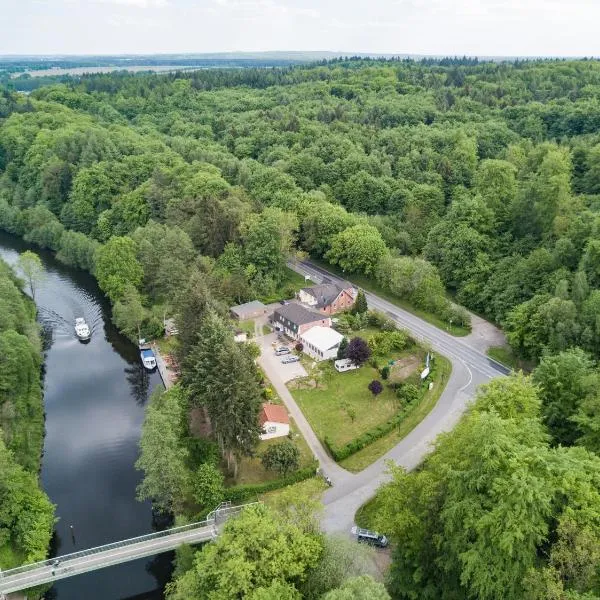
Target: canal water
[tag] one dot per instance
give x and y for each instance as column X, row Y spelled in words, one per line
column 94, row 396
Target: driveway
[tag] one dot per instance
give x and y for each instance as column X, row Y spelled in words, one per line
column 273, row 370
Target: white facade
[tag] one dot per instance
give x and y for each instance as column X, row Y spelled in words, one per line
column 307, row 298
column 273, row 430
column 321, row 343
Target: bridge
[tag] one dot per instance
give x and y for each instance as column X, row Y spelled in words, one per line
column 68, row 565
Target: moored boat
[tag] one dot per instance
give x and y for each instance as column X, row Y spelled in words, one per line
column 147, row 356
column 82, row 331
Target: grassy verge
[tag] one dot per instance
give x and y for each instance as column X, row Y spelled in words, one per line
column 505, row 355
column 372, row 286
column 314, row 487
column 365, row 515
column 363, row 458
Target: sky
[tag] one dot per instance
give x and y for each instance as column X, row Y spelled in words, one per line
column 438, row 27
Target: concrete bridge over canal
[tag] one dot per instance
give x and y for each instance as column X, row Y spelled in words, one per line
column 69, row 565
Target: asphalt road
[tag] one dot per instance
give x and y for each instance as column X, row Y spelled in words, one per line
column 471, row 367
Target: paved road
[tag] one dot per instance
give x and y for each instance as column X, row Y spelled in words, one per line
column 470, row 368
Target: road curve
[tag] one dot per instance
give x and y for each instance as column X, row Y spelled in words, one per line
column 471, row 367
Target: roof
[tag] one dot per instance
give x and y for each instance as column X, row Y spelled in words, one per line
column 297, row 314
column 275, row 413
column 147, row 354
column 248, row 307
column 323, row 338
column 326, row 293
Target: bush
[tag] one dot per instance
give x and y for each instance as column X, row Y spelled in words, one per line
column 408, row 392
column 385, row 373
column 375, row 387
column 241, row 493
column 299, row 347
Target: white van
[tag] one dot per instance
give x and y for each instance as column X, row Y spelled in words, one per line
column 345, row 364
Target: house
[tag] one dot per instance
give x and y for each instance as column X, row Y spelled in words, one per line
column 294, row 320
column 328, row 298
column 274, row 421
column 322, row 343
column 249, row 310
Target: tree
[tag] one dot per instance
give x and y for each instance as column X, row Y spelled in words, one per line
column 32, row 269
column 375, row 387
column 342, row 560
column 117, row 267
column 360, row 306
column 359, row 588
column 341, row 354
column 128, row 313
column 282, row 457
column 358, row 351
column 255, row 550
column 357, row 249
column 163, row 455
column 208, row 486
column 565, row 380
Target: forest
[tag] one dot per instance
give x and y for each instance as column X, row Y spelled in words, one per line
column 26, row 514
column 451, row 183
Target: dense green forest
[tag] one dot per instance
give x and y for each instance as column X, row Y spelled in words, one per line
column 480, row 182
column 26, row 515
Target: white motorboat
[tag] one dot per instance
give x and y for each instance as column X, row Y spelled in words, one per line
column 147, row 356
column 82, row 331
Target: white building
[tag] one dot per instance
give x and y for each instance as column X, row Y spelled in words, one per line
column 321, row 343
column 274, row 420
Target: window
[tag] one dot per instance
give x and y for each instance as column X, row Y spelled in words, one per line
column 271, row 429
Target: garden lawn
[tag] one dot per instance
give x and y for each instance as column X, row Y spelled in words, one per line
column 417, row 412
column 342, row 407
column 370, row 285
column 251, row 470
column 247, row 326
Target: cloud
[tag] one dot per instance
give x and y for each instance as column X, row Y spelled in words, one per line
column 259, row 9
column 137, row 3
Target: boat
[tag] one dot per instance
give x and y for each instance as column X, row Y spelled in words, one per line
column 147, row 355
column 82, row 331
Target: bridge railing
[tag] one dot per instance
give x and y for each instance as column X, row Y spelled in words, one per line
column 214, row 518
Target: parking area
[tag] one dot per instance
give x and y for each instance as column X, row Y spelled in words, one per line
column 286, row 372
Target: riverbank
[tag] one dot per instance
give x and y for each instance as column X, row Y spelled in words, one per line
column 21, row 428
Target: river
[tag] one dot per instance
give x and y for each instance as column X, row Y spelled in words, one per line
column 94, row 396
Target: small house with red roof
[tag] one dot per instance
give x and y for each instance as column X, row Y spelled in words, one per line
column 274, row 420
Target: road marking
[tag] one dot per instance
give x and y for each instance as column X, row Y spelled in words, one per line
column 464, row 387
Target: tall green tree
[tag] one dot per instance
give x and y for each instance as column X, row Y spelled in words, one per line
column 31, row 267
column 117, row 267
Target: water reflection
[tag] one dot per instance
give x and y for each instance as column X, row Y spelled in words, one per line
column 94, row 401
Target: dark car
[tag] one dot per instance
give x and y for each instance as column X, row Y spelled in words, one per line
column 372, row 538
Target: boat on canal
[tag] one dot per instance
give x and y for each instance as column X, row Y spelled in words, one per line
column 147, row 355
column 82, row 331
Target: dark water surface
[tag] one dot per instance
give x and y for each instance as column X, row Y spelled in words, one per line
column 94, row 396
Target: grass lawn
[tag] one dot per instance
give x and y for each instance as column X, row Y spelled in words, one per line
column 341, row 407
column 314, row 486
column 505, row 355
column 251, row 470
column 363, row 458
column 372, row 286
column 291, row 283
column 365, row 515
column 247, row 326
column 167, row 344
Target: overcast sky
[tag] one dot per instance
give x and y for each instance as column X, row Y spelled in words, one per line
column 448, row 27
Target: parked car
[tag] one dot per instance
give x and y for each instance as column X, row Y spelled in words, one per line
column 290, row 359
column 283, row 302
column 282, row 350
column 372, row 538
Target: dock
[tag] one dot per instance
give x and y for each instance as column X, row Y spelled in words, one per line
column 167, row 374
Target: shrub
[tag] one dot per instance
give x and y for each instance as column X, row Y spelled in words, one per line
column 240, row 493
column 375, row 387
column 408, row 392
column 358, row 351
column 299, row 347
column 385, row 373
column 282, row 457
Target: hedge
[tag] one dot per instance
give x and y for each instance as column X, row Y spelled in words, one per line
column 244, row 492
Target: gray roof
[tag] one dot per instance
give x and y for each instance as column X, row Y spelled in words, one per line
column 248, row 307
column 298, row 314
column 325, row 293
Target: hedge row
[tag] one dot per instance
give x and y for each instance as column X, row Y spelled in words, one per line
column 365, row 439
column 244, row 492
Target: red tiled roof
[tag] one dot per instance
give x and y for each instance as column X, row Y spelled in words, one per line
column 274, row 413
